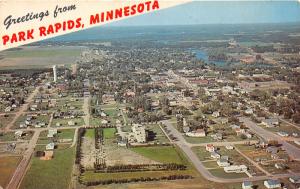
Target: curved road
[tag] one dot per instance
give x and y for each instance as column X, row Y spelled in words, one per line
column 202, row 169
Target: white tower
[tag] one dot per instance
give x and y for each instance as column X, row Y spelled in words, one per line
column 54, row 73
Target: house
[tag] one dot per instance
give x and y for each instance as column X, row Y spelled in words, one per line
column 270, row 122
column 18, row 134
column 104, row 121
column 51, row 133
column 236, row 169
column 295, row 179
column 210, row 147
column 280, row 166
column 197, row 133
column 272, row 184
column 215, row 155
column 283, row 134
column 71, row 123
column 297, row 142
column 122, row 143
column 216, row 114
column 103, row 114
column 234, row 127
column 272, row 150
column 247, row 185
column 249, row 111
column 50, row 146
column 229, row 147
column 223, row 162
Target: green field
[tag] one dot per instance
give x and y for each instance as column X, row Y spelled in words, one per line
column 90, row 133
column 109, row 133
column 201, row 153
column 8, row 164
column 42, row 52
column 95, row 122
column 52, row 174
column 163, row 154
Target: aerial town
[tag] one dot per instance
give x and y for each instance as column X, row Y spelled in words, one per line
column 212, row 113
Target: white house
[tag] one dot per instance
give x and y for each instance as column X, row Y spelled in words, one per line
column 50, row 146
column 249, row 111
column 18, row 134
column 236, row 169
column 247, row 185
column 272, row 184
column 223, row 162
column 216, row 114
column 270, row 122
column 51, row 133
column 283, row 134
column 229, row 147
column 215, row 155
column 197, row 133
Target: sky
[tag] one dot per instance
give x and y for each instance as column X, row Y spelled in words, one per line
column 220, row 12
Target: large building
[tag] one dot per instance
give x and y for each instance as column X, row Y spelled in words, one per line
column 139, row 133
column 54, row 73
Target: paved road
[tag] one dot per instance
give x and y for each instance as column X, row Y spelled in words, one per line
column 181, row 143
column 21, row 169
column 292, row 150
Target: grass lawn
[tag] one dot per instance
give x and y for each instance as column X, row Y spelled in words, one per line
column 95, row 121
column 201, row 153
column 195, row 140
column 109, row 133
column 8, row 164
column 155, row 134
column 52, row 174
column 10, row 136
column 210, row 164
column 163, row 154
column 90, row 133
column 66, row 133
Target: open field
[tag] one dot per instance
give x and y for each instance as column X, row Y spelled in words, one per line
column 109, row 133
column 6, row 120
column 95, row 121
column 8, row 164
column 163, row 154
column 90, row 133
column 55, row 173
column 39, row 57
column 155, row 134
column 10, row 136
